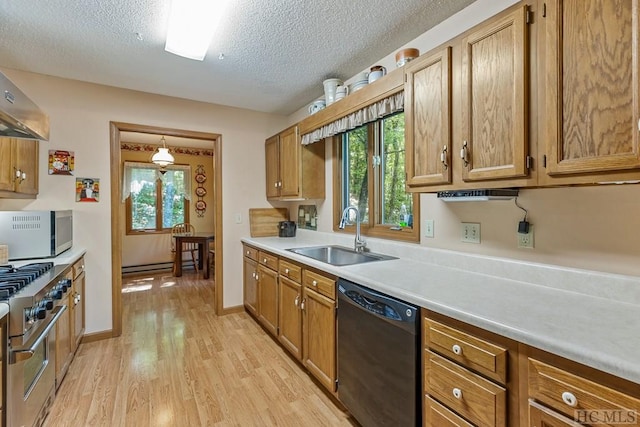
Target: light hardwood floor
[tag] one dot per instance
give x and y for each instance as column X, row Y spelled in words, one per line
column 178, row 364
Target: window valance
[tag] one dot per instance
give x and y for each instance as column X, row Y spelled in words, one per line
column 130, row 166
column 370, row 113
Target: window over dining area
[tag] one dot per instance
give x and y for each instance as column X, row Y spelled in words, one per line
column 155, row 199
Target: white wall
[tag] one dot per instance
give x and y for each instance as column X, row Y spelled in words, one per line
column 80, row 114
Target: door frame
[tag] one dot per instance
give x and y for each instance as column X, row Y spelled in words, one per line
column 117, row 222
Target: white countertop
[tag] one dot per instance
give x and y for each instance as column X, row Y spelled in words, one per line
column 589, row 317
column 4, row 309
column 67, row 257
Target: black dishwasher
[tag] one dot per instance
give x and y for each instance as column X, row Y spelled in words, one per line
column 378, row 357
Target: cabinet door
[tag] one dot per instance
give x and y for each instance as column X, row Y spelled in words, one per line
column 7, row 173
column 77, row 311
column 272, row 166
column 539, row 416
column 27, row 162
column 268, row 298
column 290, row 163
column 319, row 348
column 494, row 91
column 290, row 315
column 592, row 89
column 428, row 120
column 63, row 345
column 251, row 286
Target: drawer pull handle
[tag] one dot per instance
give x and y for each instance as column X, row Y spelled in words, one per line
column 570, row 399
column 457, row 393
column 456, row 349
column 314, row 283
column 297, row 300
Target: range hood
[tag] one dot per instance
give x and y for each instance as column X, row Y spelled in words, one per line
column 477, row 195
column 20, row 117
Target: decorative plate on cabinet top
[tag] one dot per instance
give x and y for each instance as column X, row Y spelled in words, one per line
column 201, row 191
column 200, row 178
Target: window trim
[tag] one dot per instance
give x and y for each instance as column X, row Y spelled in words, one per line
column 371, row 230
column 129, row 231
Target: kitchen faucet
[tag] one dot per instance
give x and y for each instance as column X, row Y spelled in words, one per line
column 359, row 244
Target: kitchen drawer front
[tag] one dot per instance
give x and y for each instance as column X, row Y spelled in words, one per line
column 539, row 416
column 479, row 400
column 568, row 393
column 268, row 260
column 78, row 267
column 436, row 415
column 321, row 284
column 251, row 252
column 472, row 352
column 290, row 271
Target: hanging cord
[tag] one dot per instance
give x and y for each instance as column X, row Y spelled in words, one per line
column 525, row 211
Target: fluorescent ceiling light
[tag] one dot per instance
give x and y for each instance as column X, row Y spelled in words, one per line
column 191, row 26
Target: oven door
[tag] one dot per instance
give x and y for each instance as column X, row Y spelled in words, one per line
column 31, row 375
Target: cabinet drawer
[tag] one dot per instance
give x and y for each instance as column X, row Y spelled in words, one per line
column 78, row 267
column 251, row 252
column 540, row 416
column 568, row 393
column 321, row 284
column 472, row 352
column 290, row 271
column 268, row 260
column 475, row 398
column 436, row 415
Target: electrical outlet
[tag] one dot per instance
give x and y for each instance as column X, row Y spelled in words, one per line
column 428, row 228
column 471, row 232
column 526, row 240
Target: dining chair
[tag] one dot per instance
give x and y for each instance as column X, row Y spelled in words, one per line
column 183, row 228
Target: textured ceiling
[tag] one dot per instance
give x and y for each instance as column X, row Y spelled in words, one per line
column 276, row 53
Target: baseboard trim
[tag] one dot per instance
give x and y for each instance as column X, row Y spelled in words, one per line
column 232, row 310
column 96, row 336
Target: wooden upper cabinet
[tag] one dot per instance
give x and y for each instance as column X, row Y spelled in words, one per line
column 592, row 86
column 428, row 119
column 494, row 98
column 289, row 163
column 18, row 156
column 293, row 171
column 272, row 163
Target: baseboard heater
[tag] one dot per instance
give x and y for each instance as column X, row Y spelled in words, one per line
column 147, row 268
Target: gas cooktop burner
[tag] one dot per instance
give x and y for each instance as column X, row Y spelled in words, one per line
column 13, row 279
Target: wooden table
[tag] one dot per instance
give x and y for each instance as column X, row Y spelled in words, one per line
column 202, row 239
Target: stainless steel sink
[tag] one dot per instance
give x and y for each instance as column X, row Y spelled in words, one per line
column 339, row 255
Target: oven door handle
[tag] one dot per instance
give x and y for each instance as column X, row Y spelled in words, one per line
column 23, row 354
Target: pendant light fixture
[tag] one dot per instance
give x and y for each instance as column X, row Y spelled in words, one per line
column 162, row 157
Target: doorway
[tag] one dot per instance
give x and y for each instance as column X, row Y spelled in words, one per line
column 117, row 222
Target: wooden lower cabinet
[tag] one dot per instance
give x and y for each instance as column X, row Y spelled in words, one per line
column 319, row 337
column 290, row 316
column 250, row 283
column 268, row 298
column 436, row 414
column 539, row 416
column 76, row 307
column 64, row 347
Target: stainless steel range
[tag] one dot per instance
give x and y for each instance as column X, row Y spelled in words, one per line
column 34, row 293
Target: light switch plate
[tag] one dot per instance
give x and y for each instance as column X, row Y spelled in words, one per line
column 428, row 228
column 238, row 218
column 470, row 232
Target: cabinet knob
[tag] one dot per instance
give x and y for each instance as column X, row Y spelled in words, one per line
column 570, row 399
column 314, row 283
column 456, row 349
column 248, row 252
column 264, row 260
column 464, row 153
column 457, row 393
column 443, row 157
column 275, row 184
column 286, row 271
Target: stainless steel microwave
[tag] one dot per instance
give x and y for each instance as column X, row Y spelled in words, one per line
column 36, row 234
